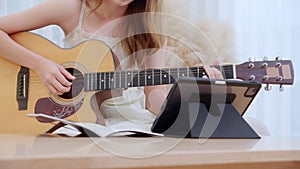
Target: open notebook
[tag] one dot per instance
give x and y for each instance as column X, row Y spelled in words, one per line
column 74, row 129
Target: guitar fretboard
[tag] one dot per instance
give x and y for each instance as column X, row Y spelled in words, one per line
column 150, row 77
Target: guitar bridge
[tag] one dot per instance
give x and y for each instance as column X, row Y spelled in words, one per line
column 22, row 88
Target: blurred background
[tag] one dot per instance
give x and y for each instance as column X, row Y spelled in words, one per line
column 261, row 28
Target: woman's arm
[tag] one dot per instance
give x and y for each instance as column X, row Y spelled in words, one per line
column 47, row 13
column 155, row 95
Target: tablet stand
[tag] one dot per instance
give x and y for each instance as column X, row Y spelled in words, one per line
column 223, row 121
column 231, row 123
column 206, row 108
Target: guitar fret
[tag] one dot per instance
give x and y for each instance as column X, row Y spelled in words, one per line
column 135, row 78
column 125, row 83
column 120, row 79
column 200, row 72
column 107, row 80
column 152, row 77
column 129, row 79
column 142, row 81
column 112, row 80
column 188, row 71
column 116, row 80
column 133, row 83
column 90, row 82
column 102, row 81
column 123, row 79
column 165, row 77
column 98, row 81
column 183, row 72
column 86, row 82
column 174, row 74
column 157, row 77
column 160, row 76
column 95, row 81
column 138, row 78
column 149, row 77
column 233, row 72
column 145, row 77
column 194, row 72
column 126, row 79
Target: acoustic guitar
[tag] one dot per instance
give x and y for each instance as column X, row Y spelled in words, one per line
column 92, row 64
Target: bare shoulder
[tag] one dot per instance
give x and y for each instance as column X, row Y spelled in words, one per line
column 66, row 5
column 64, row 13
column 64, row 10
column 68, row 12
column 57, row 8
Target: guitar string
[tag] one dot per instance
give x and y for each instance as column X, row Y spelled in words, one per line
column 152, row 73
column 143, row 73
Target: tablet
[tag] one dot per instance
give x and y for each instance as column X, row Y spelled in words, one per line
column 194, row 95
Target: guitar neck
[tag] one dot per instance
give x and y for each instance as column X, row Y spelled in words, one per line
column 149, row 77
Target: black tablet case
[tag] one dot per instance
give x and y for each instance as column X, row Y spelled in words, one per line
column 205, row 108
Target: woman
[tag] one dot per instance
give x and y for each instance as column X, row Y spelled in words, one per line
column 84, row 19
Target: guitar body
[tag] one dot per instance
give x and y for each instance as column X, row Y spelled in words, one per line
column 90, row 56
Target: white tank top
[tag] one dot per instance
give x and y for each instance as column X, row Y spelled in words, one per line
column 127, row 108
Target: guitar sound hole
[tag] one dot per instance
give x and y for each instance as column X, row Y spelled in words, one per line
column 77, row 84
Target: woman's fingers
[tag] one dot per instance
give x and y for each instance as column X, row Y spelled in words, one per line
column 59, row 87
column 67, row 75
column 212, row 73
column 55, row 77
column 208, row 71
column 217, row 73
column 62, row 79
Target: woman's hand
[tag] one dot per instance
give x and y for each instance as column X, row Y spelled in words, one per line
column 55, row 78
column 213, row 73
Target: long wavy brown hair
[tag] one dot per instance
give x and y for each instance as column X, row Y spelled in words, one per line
column 142, row 30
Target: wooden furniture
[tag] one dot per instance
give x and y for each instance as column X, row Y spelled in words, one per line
column 44, row 151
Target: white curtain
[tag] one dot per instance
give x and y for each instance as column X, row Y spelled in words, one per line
column 262, row 28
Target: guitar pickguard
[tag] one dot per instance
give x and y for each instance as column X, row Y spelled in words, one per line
column 49, row 107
